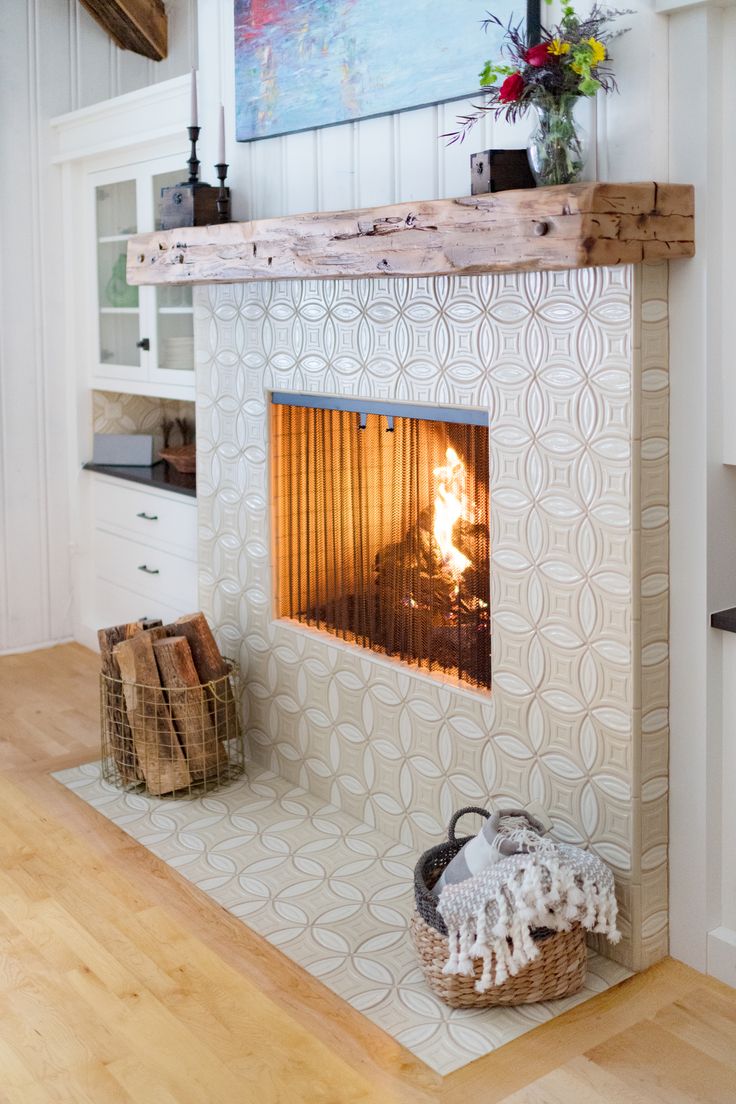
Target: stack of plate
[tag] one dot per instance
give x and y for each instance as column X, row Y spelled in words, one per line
column 177, row 353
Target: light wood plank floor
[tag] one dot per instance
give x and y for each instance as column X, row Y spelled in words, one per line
column 120, row 982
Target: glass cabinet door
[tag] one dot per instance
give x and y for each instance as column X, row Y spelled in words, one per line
column 118, row 305
column 174, row 311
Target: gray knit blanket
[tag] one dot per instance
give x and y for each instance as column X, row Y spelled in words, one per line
column 492, row 915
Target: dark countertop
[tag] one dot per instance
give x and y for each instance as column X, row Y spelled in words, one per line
column 159, row 476
column 724, row 619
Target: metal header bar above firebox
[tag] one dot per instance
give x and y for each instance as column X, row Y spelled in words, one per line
column 459, row 415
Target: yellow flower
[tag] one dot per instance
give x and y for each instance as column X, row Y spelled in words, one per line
column 558, row 48
column 599, row 51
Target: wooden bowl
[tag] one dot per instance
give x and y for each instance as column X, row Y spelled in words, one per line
column 183, row 458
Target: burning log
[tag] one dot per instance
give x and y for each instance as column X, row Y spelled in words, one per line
column 425, row 611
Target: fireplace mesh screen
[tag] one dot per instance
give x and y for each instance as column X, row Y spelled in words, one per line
column 382, row 534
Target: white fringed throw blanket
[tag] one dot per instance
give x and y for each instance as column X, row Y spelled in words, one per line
column 492, row 915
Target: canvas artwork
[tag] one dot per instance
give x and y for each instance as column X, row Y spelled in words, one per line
column 301, row 64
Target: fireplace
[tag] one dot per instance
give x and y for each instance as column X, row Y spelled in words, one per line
column 381, row 528
column 571, row 369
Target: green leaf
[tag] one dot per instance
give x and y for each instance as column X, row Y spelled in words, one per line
column 589, row 85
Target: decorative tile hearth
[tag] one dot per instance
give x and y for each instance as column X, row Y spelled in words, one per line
column 331, row 892
column 572, row 369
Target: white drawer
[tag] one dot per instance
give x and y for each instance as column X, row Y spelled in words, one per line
column 158, row 519
column 151, row 572
column 113, row 605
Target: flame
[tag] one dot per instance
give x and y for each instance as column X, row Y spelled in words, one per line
column 450, row 505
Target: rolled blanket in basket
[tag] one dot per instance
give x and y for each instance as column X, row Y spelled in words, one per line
column 506, row 832
column 492, row 915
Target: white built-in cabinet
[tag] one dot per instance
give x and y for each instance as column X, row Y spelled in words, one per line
column 141, row 339
column 134, row 545
column 144, row 551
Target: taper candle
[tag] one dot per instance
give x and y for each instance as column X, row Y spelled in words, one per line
column 221, row 153
column 193, row 113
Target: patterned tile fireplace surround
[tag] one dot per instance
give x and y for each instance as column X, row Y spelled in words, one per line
column 572, row 368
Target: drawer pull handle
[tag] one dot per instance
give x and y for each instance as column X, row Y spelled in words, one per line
column 147, row 517
column 148, row 570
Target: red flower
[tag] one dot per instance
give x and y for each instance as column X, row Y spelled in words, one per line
column 512, row 88
column 537, row 55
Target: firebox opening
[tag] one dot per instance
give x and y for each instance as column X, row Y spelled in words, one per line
column 381, row 528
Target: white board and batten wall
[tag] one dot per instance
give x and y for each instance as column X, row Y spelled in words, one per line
column 669, row 122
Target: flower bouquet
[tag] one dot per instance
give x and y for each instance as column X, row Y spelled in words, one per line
column 571, row 60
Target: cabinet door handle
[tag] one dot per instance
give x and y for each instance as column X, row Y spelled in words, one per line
column 144, row 343
column 148, row 570
column 147, row 517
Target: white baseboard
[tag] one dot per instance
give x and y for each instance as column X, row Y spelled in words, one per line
column 36, row 647
column 722, row 955
column 87, row 636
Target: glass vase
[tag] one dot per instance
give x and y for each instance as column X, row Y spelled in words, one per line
column 557, row 146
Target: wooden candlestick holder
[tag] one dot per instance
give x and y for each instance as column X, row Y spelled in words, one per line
column 223, row 196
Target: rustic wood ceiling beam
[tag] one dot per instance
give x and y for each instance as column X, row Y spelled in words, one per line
column 137, row 25
column 572, row 226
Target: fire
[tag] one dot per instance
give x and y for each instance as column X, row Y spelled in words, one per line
column 450, row 505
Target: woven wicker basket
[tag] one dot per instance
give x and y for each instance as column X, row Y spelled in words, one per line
column 558, row 971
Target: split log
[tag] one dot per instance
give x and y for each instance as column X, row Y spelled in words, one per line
column 189, row 707
column 156, row 742
column 210, row 667
column 118, row 726
column 425, row 612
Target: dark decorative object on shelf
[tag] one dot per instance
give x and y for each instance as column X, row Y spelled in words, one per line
column 192, row 203
column 499, row 170
column 186, row 430
column 167, row 425
column 170, row 426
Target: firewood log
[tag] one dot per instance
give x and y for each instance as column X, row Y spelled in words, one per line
column 210, row 667
column 118, row 727
column 156, row 743
column 205, row 755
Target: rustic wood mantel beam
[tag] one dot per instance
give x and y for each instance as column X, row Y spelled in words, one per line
column 572, row 226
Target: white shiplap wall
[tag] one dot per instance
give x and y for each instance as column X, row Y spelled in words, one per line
column 53, row 58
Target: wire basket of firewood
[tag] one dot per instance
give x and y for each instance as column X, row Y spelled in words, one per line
column 169, row 709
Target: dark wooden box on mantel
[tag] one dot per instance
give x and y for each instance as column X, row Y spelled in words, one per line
column 500, row 170
column 189, row 205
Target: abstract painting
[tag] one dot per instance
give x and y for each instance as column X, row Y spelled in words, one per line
column 301, row 64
